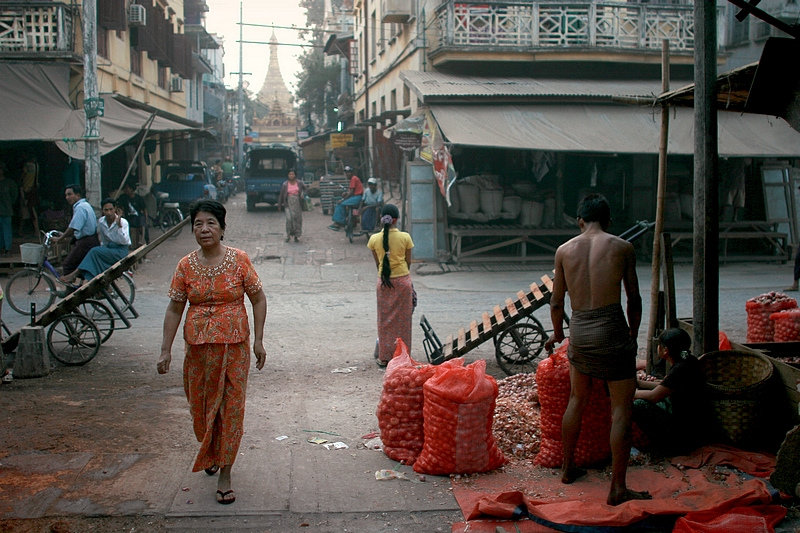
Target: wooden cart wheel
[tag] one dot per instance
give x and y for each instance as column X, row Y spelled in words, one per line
column 520, row 347
column 101, row 315
column 73, row 339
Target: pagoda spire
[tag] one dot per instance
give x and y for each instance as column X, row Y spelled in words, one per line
column 274, row 89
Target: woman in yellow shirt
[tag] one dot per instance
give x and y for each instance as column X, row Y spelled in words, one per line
column 391, row 249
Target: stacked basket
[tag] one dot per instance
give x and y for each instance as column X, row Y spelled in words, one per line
column 739, row 389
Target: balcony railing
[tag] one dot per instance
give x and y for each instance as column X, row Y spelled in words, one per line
column 523, row 26
column 30, row 28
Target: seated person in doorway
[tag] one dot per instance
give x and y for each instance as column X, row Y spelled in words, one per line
column 372, row 202
column 115, row 241
column 351, row 198
column 674, row 413
column 82, row 229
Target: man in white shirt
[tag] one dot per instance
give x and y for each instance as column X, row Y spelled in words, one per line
column 115, row 240
column 372, row 200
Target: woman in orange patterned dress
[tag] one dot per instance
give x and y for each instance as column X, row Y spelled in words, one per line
column 214, row 280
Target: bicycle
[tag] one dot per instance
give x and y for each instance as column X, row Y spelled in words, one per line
column 36, row 284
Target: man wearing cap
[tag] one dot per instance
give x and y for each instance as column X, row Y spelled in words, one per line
column 351, row 198
column 373, row 200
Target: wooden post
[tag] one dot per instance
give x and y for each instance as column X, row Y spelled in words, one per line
column 659, row 226
column 706, row 184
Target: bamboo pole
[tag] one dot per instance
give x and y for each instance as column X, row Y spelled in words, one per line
column 659, row 226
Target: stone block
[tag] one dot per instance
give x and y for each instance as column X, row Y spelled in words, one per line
column 32, row 359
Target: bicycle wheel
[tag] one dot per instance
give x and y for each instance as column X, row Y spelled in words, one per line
column 127, row 287
column 30, row 286
column 349, row 224
column 169, row 219
column 73, row 339
column 518, row 348
column 101, row 315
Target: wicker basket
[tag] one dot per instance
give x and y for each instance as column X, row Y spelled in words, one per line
column 738, row 387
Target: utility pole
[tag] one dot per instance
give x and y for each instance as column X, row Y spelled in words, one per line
column 92, row 105
column 240, row 121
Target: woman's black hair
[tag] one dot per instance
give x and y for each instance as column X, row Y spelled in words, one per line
column 676, row 341
column 108, row 201
column 212, row 207
column 595, row 208
column 386, row 268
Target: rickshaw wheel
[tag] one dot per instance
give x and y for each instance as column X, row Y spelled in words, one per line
column 101, row 315
column 73, row 339
column 520, row 347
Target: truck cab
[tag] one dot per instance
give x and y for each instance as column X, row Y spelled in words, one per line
column 265, row 170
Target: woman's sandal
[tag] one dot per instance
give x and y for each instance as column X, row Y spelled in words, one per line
column 226, row 497
column 211, row 470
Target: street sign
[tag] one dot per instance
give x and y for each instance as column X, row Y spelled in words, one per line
column 407, row 140
column 340, row 140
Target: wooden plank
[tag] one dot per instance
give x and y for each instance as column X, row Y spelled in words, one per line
column 462, row 341
column 499, row 319
column 511, row 308
column 487, row 325
column 473, row 332
column 447, row 351
column 547, row 282
column 537, row 293
column 526, row 304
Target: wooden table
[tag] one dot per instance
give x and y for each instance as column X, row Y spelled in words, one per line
column 484, row 238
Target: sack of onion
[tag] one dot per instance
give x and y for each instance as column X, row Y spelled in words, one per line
column 552, row 377
column 759, row 326
column 458, row 412
column 400, row 407
column 786, row 325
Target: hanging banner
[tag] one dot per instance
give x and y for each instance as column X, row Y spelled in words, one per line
column 434, row 151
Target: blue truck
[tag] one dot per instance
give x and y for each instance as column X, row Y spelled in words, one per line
column 185, row 182
column 265, row 170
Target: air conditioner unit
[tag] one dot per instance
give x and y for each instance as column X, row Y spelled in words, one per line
column 397, row 11
column 137, row 16
column 176, row 84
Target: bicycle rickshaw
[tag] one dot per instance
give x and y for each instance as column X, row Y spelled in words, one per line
column 362, row 220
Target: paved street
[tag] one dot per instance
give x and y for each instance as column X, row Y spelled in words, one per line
column 112, row 439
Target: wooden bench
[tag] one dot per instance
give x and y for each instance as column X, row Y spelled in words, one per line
column 745, row 231
column 484, row 238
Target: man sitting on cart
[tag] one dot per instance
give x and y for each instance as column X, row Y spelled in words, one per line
column 351, row 198
column 371, row 205
column 115, row 238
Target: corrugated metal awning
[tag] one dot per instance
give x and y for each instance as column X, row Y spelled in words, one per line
column 608, row 129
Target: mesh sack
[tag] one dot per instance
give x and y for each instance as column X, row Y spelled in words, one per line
column 400, row 407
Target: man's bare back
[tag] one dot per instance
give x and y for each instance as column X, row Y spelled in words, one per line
column 593, row 265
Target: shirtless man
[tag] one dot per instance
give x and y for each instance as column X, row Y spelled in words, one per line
column 593, row 267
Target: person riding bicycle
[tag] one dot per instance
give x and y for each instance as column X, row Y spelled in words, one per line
column 372, row 201
column 82, row 229
column 351, row 198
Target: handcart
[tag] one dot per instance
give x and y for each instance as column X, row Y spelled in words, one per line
column 86, row 318
column 518, row 336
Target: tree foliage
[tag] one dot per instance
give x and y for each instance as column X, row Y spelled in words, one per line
column 318, row 84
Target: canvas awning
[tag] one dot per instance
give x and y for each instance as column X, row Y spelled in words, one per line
column 608, row 129
column 34, row 97
column 118, row 124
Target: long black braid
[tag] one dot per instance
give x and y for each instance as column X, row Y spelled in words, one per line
column 386, row 269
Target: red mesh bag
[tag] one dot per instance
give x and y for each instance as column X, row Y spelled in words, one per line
column 552, row 378
column 400, row 407
column 724, row 343
column 458, row 412
column 759, row 309
column 786, row 325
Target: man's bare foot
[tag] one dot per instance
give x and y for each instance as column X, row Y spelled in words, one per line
column 571, row 475
column 616, row 498
column 790, row 288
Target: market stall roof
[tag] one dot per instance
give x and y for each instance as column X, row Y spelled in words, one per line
column 118, row 124
column 35, row 103
column 608, row 129
column 437, row 87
